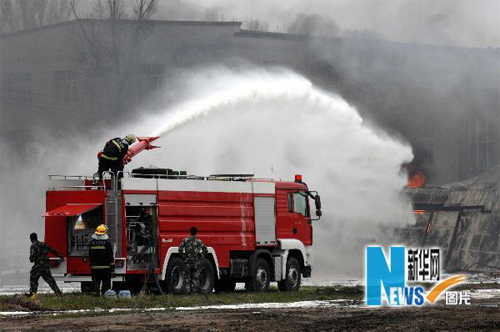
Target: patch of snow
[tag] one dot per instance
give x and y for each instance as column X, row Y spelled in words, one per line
column 485, row 294
column 13, row 290
column 482, row 278
column 328, row 282
column 271, row 305
column 15, row 313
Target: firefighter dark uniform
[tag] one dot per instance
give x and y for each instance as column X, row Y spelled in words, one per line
column 102, row 261
column 145, row 222
column 192, row 251
column 111, row 158
column 41, row 266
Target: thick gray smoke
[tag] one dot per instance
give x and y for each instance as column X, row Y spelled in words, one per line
column 387, row 83
column 271, row 122
column 275, row 123
column 427, row 83
column 444, row 22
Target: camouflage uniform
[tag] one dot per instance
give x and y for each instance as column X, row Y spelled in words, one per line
column 38, row 256
column 193, row 251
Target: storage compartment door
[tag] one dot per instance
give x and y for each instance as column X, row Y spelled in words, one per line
column 265, row 220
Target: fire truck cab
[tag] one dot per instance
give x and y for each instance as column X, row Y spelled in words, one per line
column 257, row 231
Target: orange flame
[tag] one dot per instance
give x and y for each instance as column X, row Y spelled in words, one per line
column 417, row 181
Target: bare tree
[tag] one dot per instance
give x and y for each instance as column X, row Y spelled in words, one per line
column 213, row 14
column 117, row 42
column 8, row 22
column 256, row 25
column 144, row 9
column 89, row 42
column 313, row 24
column 58, row 11
column 26, row 14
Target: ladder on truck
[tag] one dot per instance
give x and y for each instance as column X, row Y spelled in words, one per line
column 114, row 219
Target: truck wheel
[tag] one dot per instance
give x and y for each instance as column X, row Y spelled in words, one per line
column 225, row 286
column 87, row 287
column 261, row 277
column 206, row 275
column 291, row 283
column 175, row 276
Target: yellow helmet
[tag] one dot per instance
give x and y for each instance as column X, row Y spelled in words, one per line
column 101, row 229
column 130, row 138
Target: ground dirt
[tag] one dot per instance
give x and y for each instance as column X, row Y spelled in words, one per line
column 331, row 314
column 482, row 318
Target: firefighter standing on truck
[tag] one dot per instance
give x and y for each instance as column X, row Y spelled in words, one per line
column 192, row 251
column 102, row 261
column 112, row 155
column 41, row 266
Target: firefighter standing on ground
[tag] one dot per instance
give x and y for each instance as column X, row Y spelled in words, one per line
column 113, row 153
column 102, row 261
column 41, row 266
column 192, row 251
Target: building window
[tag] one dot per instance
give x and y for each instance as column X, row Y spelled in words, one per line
column 96, row 87
column 150, row 79
column 17, row 89
column 482, row 145
column 65, row 85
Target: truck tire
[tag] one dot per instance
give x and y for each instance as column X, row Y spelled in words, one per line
column 225, row 286
column 260, row 278
column 207, row 277
column 292, row 280
column 175, row 276
column 87, row 287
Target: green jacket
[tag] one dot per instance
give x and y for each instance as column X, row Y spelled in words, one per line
column 192, row 250
column 39, row 256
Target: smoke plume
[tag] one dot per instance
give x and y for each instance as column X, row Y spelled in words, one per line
column 273, row 123
column 444, row 22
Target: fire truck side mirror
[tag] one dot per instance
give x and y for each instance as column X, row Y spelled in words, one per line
column 317, row 202
column 318, row 213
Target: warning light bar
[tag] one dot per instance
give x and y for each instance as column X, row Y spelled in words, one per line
column 298, row 178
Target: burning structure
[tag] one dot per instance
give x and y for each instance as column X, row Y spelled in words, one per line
column 463, row 219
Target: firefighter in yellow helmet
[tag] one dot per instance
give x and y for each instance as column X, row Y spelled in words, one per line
column 102, row 261
column 111, row 157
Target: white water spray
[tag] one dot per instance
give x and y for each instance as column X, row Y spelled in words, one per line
column 234, row 92
column 271, row 122
column 276, row 124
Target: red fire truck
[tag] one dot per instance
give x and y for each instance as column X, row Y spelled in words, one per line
column 256, row 230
